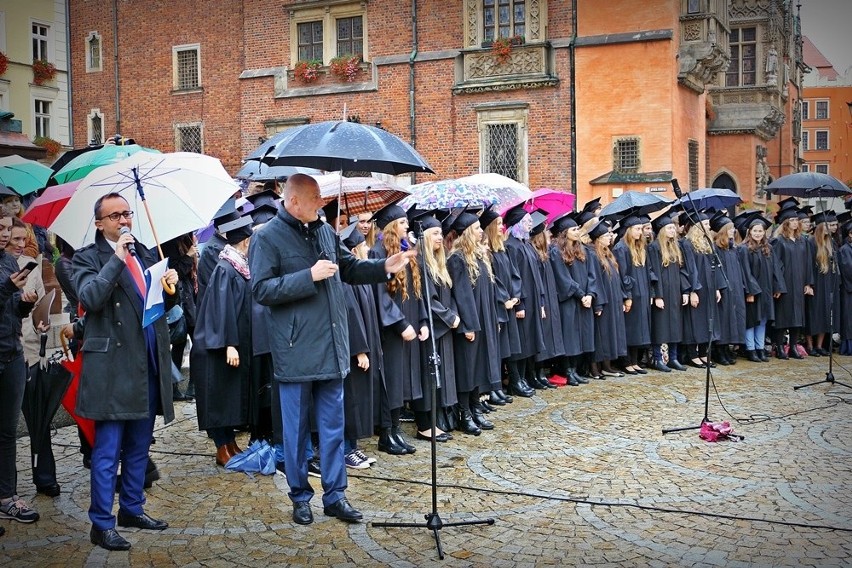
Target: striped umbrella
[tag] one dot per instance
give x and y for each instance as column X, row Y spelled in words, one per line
column 359, row 194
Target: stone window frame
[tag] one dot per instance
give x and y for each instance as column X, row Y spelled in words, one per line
column 327, row 11
column 45, row 52
column 90, row 126
column 806, row 167
column 505, row 113
column 90, row 66
column 757, row 55
column 180, row 126
column 827, row 139
column 176, row 50
column 825, row 106
column 806, row 110
column 41, row 119
column 618, row 150
column 806, row 139
column 822, row 168
column 495, row 27
column 474, row 27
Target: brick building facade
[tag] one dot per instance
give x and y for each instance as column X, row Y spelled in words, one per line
column 221, row 76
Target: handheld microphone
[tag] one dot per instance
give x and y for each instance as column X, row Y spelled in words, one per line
column 131, row 248
column 676, row 188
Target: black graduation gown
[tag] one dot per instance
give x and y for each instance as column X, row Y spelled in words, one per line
column 669, row 283
column 845, row 263
column 818, row 308
column 637, row 284
column 610, row 337
column 477, row 361
column 572, row 283
column 554, row 343
column 507, row 282
column 358, row 384
column 531, row 298
column 795, row 266
column 260, row 383
column 732, row 307
column 224, row 318
column 401, row 358
column 207, row 262
column 704, row 281
column 443, row 315
column 766, row 271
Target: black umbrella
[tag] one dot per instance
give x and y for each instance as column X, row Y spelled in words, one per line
column 809, row 184
column 709, row 197
column 635, row 202
column 46, row 385
column 340, row 145
column 70, row 155
column 258, row 171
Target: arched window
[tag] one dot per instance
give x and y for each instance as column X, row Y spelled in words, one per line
column 93, row 52
column 724, row 181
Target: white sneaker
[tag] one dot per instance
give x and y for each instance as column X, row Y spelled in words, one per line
column 355, row 462
column 365, row 457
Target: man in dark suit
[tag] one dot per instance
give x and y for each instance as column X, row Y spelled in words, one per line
column 126, row 376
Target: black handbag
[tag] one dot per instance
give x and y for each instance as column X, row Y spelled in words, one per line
column 177, row 324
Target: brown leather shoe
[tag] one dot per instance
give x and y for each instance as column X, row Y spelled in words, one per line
column 234, row 448
column 223, row 454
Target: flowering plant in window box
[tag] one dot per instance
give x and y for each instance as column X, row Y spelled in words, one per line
column 346, row 67
column 43, row 71
column 52, row 146
column 4, row 62
column 307, row 71
column 501, row 47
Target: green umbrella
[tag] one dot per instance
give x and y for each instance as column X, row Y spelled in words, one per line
column 79, row 167
column 23, row 175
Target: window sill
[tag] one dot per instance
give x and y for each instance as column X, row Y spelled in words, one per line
column 328, row 84
column 192, row 91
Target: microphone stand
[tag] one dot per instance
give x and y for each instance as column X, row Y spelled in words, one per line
column 433, row 519
column 829, row 375
column 714, row 263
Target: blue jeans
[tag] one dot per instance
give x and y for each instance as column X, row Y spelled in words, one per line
column 756, row 336
column 658, row 352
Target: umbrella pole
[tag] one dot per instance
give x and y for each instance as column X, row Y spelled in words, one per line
column 169, row 289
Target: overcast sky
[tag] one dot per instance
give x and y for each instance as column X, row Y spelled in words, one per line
column 828, row 23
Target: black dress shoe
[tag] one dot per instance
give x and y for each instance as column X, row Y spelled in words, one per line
column 630, row 371
column 658, row 365
column 302, row 513
column 486, row 408
column 676, row 365
column 108, row 539
column 752, row 356
column 480, row 420
column 761, row 353
column 699, row 365
column 389, row 444
column 343, row 510
column 506, row 398
column 639, row 370
column 794, row 353
column 494, row 399
column 442, row 437
column 396, row 433
column 52, row 490
column 521, row 388
column 142, row 521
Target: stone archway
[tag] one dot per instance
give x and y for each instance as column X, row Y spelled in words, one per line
column 725, row 181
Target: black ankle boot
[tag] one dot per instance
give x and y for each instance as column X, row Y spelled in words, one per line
column 389, row 445
column 658, row 365
column 779, row 352
column 466, row 423
column 506, row 398
column 752, row 356
column 793, row 353
column 519, row 387
column 761, row 353
column 479, row 417
column 396, row 434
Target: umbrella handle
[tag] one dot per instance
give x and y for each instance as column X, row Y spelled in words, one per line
column 168, row 288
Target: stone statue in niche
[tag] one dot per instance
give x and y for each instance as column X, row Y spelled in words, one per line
column 772, row 66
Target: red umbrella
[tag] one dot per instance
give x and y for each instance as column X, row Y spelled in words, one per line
column 44, row 209
column 74, row 365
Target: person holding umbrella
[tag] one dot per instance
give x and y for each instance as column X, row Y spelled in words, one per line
column 298, row 268
column 109, row 283
column 14, row 305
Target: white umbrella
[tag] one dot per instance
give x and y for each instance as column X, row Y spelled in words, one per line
column 499, row 182
column 179, row 192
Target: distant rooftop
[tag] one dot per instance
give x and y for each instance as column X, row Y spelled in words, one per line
column 816, row 60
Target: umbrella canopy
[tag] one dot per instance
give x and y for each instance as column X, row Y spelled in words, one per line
column 341, row 146
column 452, row 193
column 554, row 201
column 636, row 202
column 258, row 171
column 83, row 164
column 71, row 154
column 503, row 185
column 708, row 197
column 180, row 192
column 809, row 184
column 43, row 392
column 359, row 194
column 23, row 175
column 47, row 206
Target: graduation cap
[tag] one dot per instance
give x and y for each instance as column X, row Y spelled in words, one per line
column 388, row 213
column 539, row 223
column 719, row 221
column 824, row 217
column 660, row 222
column 563, row 222
column 633, row 220
column 448, row 217
column 592, row 206
column 425, row 219
column 805, row 212
column 263, row 214
column 265, row 197
column 226, row 213
column 237, row 230
column 488, row 216
column 599, row 229
column 786, row 213
column 463, row 221
column 584, row 217
column 351, row 236
column 844, row 217
column 787, row 203
column 689, row 220
column 514, row 215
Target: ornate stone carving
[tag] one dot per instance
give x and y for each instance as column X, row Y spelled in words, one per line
column 520, row 62
column 699, row 64
column 761, row 178
column 536, row 18
column 471, row 18
column 527, row 67
column 692, row 31
column 748, row 8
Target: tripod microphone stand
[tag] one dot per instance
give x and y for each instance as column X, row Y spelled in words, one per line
column 433, row 522
column 714, row 263
column 829, row 375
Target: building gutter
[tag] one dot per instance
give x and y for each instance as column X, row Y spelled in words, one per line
column 572, row 93
column 115, row 65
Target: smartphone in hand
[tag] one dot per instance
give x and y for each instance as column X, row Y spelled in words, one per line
column 29, row 267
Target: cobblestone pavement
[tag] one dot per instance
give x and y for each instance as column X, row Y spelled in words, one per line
column 574, row 476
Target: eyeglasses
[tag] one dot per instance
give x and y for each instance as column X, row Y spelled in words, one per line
column 116, row 216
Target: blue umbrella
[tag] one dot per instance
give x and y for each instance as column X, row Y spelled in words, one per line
column 340, row 145
column 709, row 197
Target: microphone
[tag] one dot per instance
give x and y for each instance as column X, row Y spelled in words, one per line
column 131, row 248
column 676, row 188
